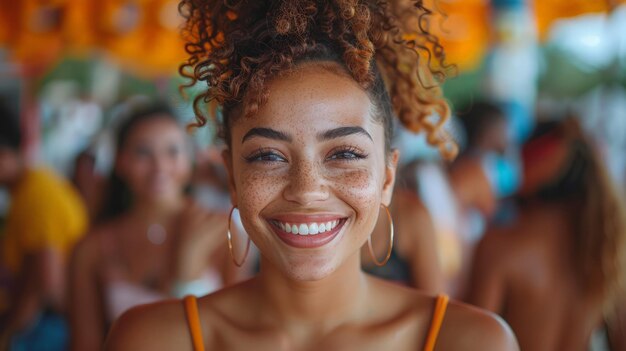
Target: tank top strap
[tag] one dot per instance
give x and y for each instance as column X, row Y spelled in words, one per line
column 441, row 305
column 193, row 319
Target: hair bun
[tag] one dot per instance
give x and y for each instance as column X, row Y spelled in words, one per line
column 236, row 47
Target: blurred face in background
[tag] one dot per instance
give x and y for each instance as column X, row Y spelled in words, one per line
column 543, row 159
column 497, row 136
column 10, row 165
column 154, row 160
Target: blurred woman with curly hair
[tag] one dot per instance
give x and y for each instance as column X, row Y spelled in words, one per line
column 305, row 102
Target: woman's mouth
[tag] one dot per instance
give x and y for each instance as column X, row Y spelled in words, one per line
column 307, row 234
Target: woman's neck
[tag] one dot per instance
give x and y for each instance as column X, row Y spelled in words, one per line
column 326, row 303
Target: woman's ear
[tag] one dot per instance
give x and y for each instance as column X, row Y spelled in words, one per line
column 390, row 176
column 228, row 163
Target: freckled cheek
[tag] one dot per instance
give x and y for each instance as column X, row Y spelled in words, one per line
column 360, row 190
column 256, row 189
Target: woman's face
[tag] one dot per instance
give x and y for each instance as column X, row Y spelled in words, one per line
column 154, row 160
column 542, row 161
column 308, row 172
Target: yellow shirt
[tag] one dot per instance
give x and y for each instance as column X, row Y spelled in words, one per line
column 45, row 211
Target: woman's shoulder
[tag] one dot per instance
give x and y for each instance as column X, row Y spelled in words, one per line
column 158, row 326
column 165, row 325
column 468, row 327
column 463, row 327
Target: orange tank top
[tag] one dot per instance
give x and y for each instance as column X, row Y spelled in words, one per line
column 193, row 319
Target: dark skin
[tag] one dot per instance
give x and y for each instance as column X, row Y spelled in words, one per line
column 91, row 185
column 473, row 191
column 524, row 272
column 467, row 175
column 41, row 283
column 471, row 186
column 41, row 280
column 315, row 297
column 617, row 329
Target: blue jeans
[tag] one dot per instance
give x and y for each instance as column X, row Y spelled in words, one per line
column 49, row 332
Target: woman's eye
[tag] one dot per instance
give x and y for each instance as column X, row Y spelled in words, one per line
column 265, row 157
column 349, row 155
column 143, row 152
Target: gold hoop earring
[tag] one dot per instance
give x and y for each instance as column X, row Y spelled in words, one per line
column 230, row 242
column 369, row 241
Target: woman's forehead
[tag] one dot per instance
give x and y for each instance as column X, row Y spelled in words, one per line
column 311, row 99
column 313, row 82
column 159, row 128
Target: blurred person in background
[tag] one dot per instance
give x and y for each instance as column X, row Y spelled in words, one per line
column 91, row 185
column 616, row 327
column 45, row 219
column 209, row 188
column 474, row 174
column 210, row 182
column 153, row 242
column 414, row 259
column 479, row 178
column 555, row 274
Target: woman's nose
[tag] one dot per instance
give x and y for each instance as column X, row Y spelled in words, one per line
column 306, row 184
column 159, row 163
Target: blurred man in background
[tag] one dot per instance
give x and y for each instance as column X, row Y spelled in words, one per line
column 484, row 174
column 46, row 217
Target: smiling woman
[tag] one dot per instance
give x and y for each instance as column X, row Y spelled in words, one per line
column 328, row 166
column 307, row 120
column 147, row 212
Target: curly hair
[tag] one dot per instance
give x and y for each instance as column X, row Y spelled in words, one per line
column 237, row 47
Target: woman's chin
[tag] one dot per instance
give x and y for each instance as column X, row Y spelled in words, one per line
column 309, row 270
column 162, row 197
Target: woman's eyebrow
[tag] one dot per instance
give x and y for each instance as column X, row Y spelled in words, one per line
column 327, row 135
column 266, row 133
column 341, row 132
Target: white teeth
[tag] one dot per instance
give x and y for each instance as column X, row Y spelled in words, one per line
column 307, row 228
column 303, row 230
